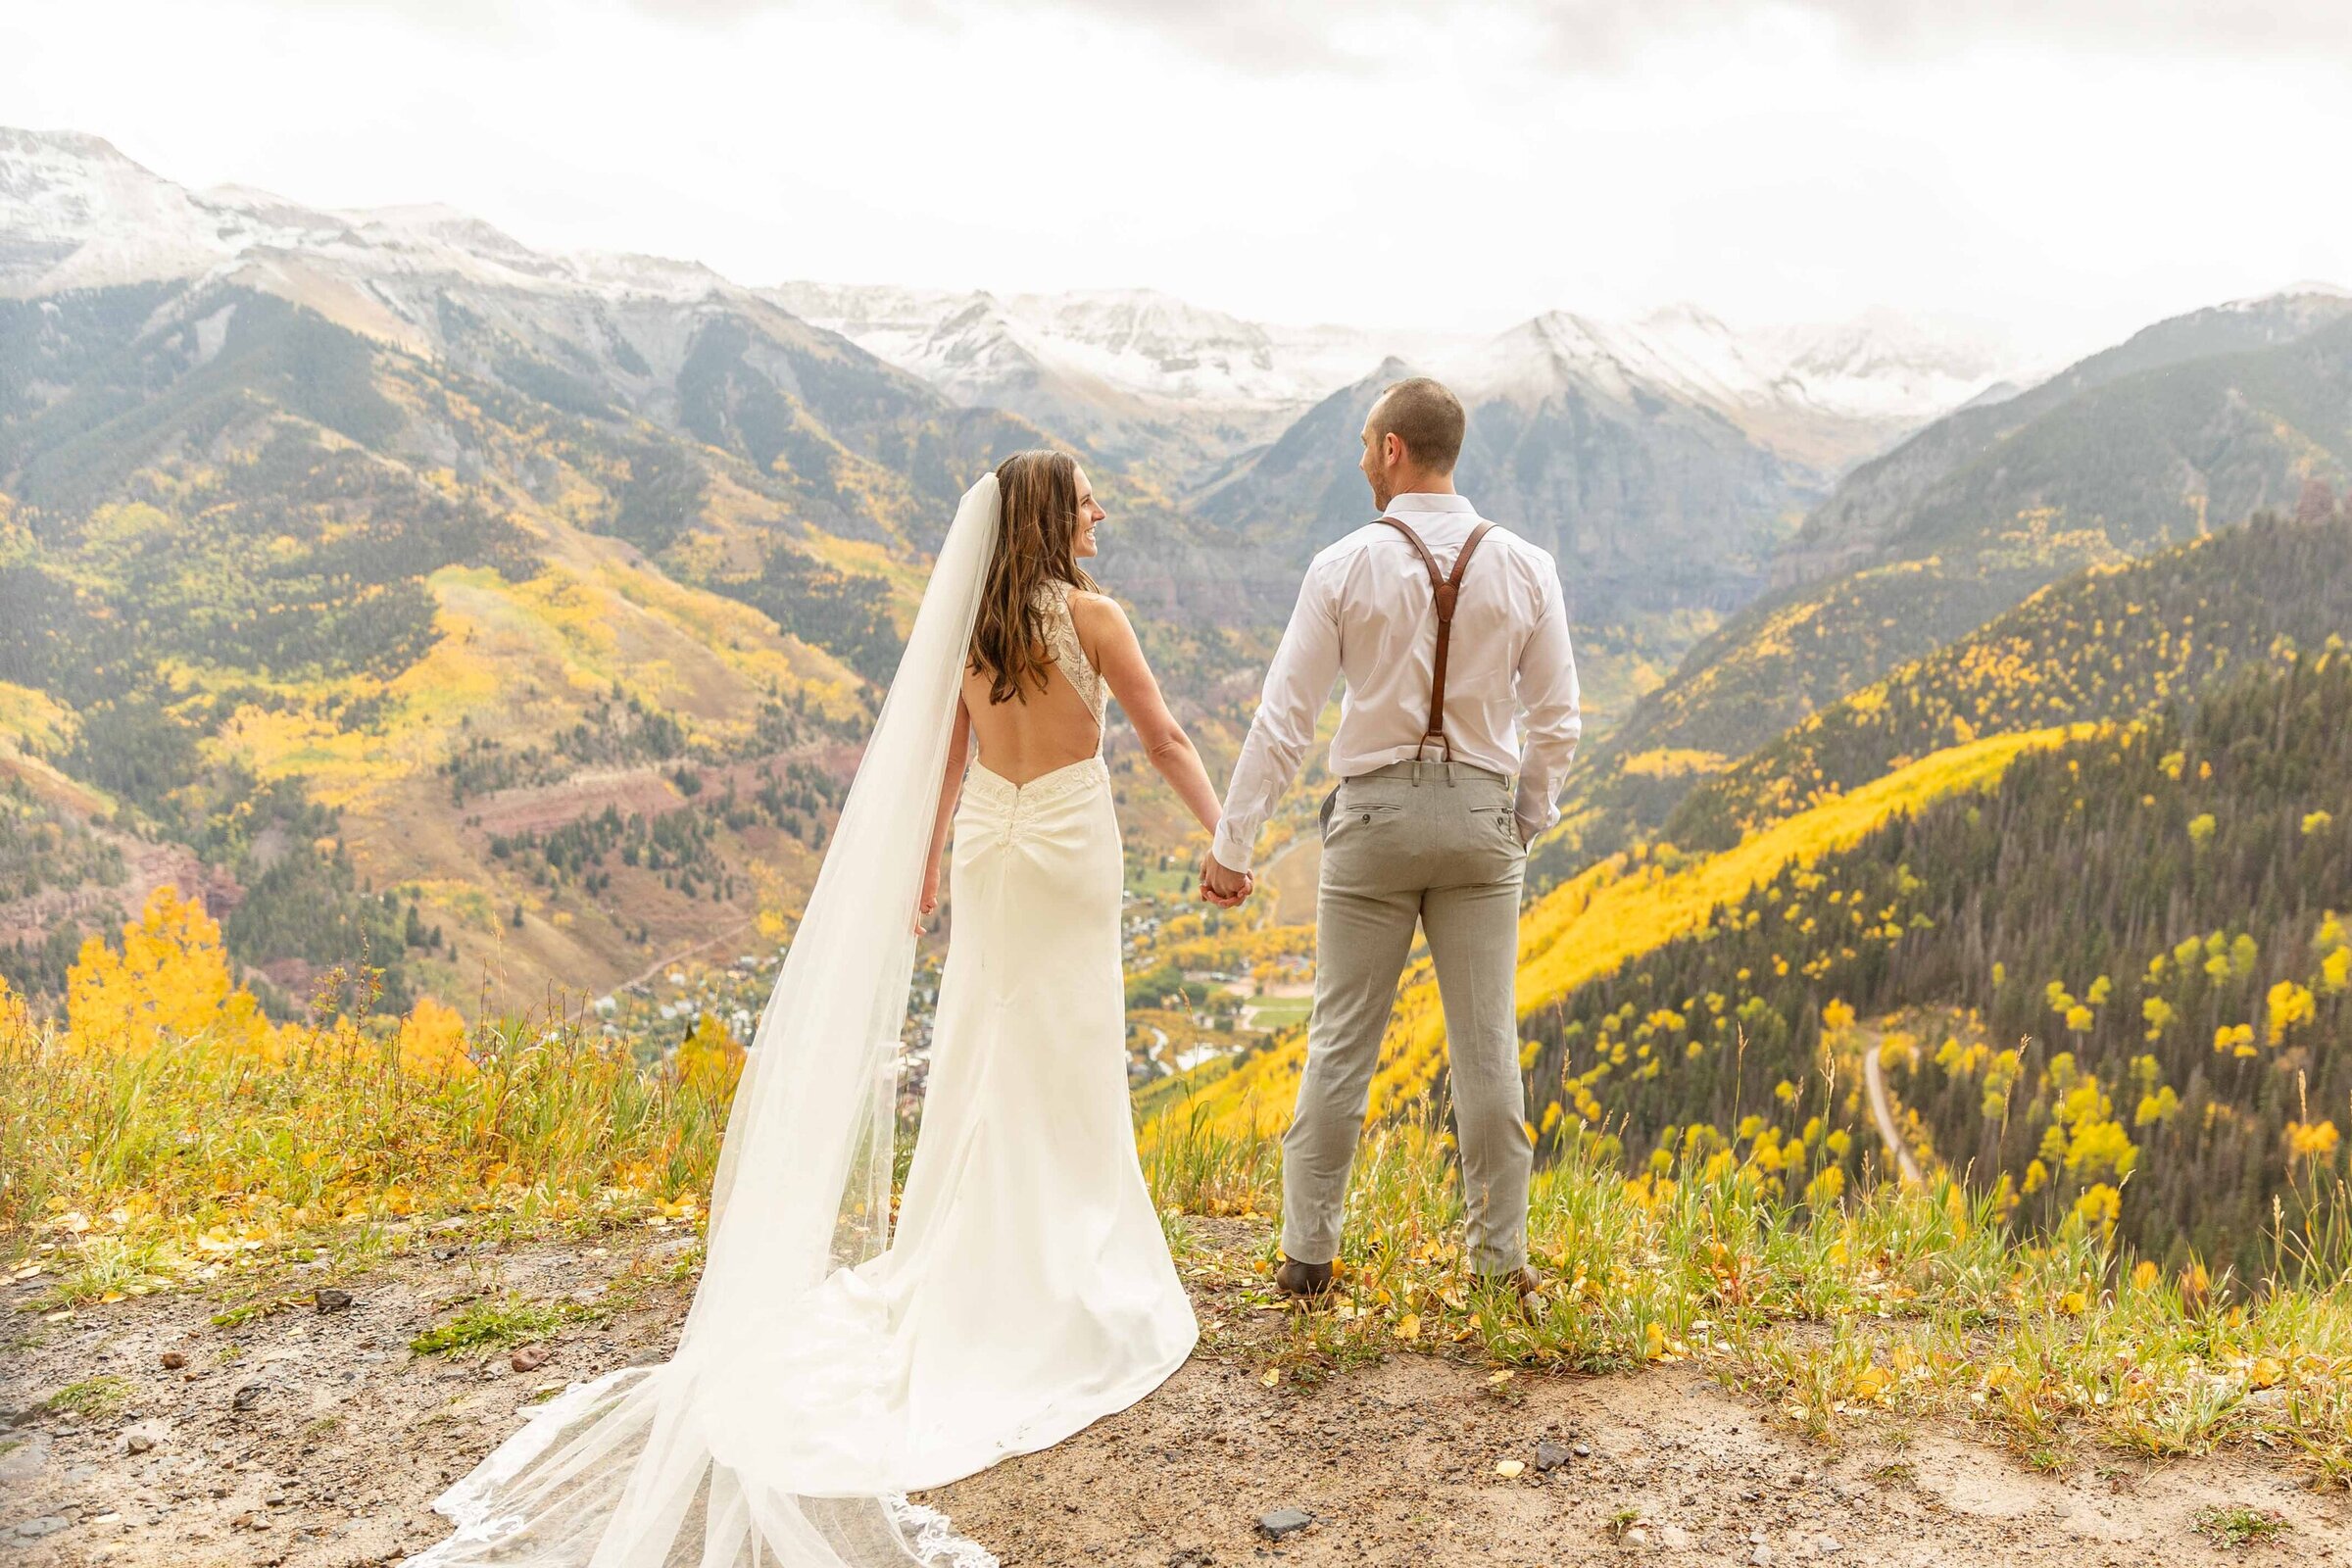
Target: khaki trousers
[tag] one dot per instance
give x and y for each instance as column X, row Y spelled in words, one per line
column 1434, row 844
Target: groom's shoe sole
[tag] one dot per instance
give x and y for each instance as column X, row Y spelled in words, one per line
column 1301, row 1281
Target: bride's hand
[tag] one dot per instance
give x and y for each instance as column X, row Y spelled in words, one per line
column 926, row 903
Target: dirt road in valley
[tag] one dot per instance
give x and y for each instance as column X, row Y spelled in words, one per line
column 317, row 1440
column 1882, row 1111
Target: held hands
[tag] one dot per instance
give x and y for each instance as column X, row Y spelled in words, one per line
column 1223, row 886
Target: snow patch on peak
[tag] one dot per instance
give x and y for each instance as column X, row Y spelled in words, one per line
column 71, row 144
column 2308, row 290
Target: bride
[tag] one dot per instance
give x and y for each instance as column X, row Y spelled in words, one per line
column 832, row 1361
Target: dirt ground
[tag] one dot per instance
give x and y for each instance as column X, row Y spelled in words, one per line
column 318, row 1439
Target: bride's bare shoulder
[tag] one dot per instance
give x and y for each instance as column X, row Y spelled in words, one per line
column 1100, row 624
column 1100, row 610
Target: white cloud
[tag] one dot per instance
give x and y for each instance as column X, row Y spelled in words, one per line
column 2071, row 170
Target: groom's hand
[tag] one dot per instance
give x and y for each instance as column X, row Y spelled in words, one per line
column 1223, row 886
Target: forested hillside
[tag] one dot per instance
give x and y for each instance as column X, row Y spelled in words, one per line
column 2139, row 933
column 2113, row 642
column 318, row 627
column 2131, row 452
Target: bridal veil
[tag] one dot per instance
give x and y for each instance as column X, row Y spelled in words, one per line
column 683, row 1465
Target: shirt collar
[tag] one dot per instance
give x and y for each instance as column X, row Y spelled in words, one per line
column 1429, row 501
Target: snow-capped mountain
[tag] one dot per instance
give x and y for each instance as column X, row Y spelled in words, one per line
column 1138, row 373
column 1823, row 396
column 1139, row 342
column 1820, row 396
column 1138, row 376
column 75, row 212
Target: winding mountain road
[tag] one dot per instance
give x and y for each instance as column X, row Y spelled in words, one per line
column 1882, row 1111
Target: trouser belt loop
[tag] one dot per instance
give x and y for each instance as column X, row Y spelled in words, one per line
column 1449, row 769
column 1416, row 771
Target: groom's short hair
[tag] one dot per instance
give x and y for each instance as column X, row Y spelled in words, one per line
column 1426, row 418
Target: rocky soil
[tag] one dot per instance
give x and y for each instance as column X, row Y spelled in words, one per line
column 145, row 1433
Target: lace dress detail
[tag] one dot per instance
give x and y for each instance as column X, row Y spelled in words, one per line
column 1061, row 636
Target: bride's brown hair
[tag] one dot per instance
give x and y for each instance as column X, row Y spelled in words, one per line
column 1039, row 494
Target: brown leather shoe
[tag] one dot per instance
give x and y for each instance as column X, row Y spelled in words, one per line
column 1302, row 1280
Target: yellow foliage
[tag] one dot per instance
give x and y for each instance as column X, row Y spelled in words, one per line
column 1671, row 762
column 168, row 977
column 711, row 1059
column 2099, row 1205
column 2291, row 1005
column 2311, row 1140
column 432, row 1039
column 2100, row 1147
column 1613, row 913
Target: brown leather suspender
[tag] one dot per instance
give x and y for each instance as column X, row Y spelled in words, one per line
column 1446, row 590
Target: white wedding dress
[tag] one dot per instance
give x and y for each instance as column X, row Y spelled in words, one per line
column 1025, row 1288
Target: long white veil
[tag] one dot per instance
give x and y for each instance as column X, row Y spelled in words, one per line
column 713, row 1459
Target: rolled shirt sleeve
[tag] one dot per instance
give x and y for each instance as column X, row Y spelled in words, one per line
column 1299, row 683
column 1554, row 720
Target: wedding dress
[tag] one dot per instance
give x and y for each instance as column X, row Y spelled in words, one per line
column 832, row 1362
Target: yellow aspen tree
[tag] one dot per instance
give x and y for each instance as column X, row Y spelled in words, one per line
column 432, row 1039
column 168, row 979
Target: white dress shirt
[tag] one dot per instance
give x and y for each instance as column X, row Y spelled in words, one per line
column 1365, row 611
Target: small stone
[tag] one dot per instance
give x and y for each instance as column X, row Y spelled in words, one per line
column 1283, row 1522
column 1549, row 1456
column 48, row 1524
column 527, row 1358
column 1636, row 1537
column 1674, row 1538
column 1759, row 1555
column 1584, row 1450
column 246, row 1398
column 329, row 1300
column 1825, row 1544
column 173, row 1360
column 137, row 1442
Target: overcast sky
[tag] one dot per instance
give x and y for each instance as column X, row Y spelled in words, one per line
column 2063, row 171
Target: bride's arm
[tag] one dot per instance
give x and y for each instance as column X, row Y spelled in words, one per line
column 950, row 786
column 1111, row 641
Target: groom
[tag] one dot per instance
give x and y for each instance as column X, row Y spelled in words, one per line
column 1451, row 634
